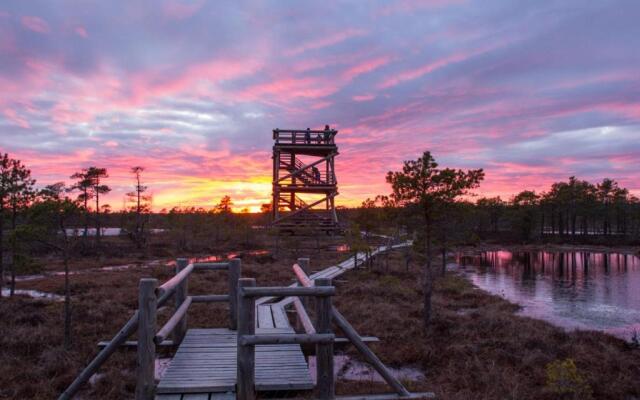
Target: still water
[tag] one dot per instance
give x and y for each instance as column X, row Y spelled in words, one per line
column 574, row 290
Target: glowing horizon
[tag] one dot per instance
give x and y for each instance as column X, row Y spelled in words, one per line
column 190, row 90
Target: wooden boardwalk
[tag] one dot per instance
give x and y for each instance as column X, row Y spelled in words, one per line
column 262, row 355
column 205, row 363
column 204, row 366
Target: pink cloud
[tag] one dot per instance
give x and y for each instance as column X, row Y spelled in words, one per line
column 81, row 31
column 365, row 67
column 291, row 87
column 424, row 70
column 177, row 9
column 35, row 24
column 325, row 41
column 363, row 97
column 13, row 116
column 410, row 6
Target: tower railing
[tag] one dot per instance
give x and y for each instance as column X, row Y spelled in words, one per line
column 304, row 136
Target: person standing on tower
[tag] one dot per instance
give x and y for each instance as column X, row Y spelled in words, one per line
column 327, row 133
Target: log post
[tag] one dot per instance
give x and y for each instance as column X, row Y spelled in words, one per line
column 235, row 270
column 304, row 263
column 246, row 353
column 147, row 305
column 325, row 388
column 181, row 295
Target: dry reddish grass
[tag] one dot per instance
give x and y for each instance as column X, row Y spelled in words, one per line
column 476, row 347
column 33, row 364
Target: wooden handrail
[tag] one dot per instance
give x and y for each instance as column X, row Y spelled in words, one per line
column 356, row 340
column 163, row 294
column 120, row 338
column 171, row 324
column 170, row 286
column 286, row 338
column 213, row 266
column 288, row 291
column 303, row 316
column 302, row 277
column 210, row 298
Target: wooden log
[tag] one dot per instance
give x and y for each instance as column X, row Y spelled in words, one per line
column 147, row 306
column 211, row 266
column 325, row 388
column 180, row 297
column 302, row 276
column 211, row 298
column 285, row 338
column 289, row 291
column 174, row 322
column 134, row 343
column 357, row 341
column 369, row 355
column 169, row 287
column 246, row 354
column 118, row 340
column 303, row 317
column 235, row 271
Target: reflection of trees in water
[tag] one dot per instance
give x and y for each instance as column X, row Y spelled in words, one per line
column 577, row 275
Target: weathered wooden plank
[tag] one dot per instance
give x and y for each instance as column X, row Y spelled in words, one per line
column 280, row 318
column 264, row 317
column 196, row 396
column 169, row 397
column 214, row 368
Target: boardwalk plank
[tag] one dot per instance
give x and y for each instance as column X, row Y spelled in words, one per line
column 206, row 363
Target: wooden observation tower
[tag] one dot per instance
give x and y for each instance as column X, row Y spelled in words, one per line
column 303, row 165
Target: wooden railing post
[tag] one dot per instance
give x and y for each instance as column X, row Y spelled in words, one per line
column 147, row 306
column 325, row 388
column 235, row 271
column 304, row 263
column 181, row 295
column 246, row 353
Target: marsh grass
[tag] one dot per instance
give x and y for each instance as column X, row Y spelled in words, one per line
column 477, row 347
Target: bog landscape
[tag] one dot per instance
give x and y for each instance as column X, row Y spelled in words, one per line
column 350, row 200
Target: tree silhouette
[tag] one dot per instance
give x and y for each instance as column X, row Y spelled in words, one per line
column 141, row 206
column 16, row 193
column 83, row 185
column 50, row 217
column 421, row 183
column 95, row 176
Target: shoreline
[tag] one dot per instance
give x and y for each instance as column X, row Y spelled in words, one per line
column 549, row 247
column 477, row 345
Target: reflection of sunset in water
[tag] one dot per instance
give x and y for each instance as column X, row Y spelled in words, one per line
column 581, row 289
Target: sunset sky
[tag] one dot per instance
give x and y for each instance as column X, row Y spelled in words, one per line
column 531, row 91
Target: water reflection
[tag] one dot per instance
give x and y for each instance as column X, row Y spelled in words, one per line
column 575, row 290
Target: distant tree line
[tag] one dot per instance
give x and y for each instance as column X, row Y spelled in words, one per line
column 575, row 209
column 435, row 208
